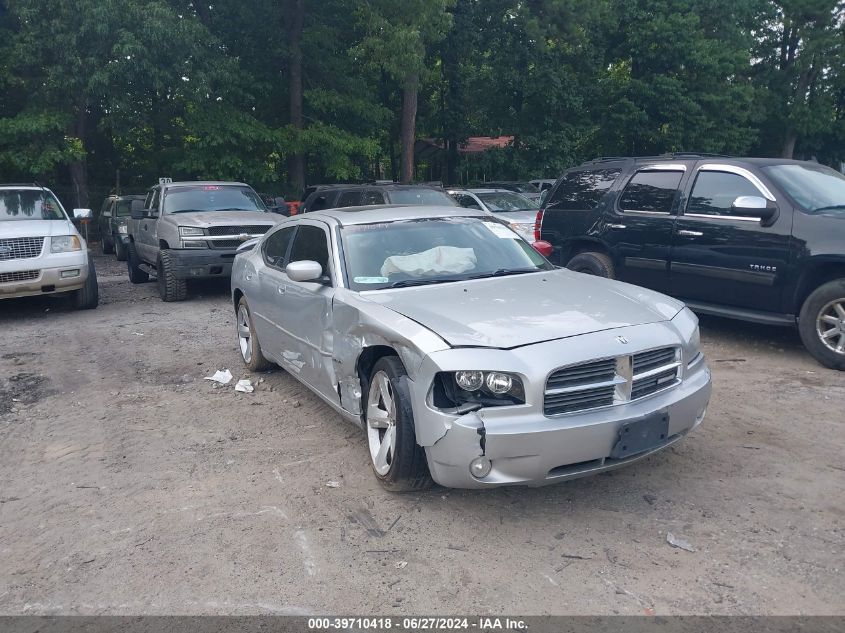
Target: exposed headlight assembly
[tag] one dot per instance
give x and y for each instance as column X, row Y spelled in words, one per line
column 65, row 244
column 191, row 231
column 687, row 325
column 459, row 389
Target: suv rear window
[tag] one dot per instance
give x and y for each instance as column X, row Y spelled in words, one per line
column 580, row 190
column 651, row 190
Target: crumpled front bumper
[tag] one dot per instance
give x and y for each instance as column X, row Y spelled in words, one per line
column 202, row 263
column 527, row 447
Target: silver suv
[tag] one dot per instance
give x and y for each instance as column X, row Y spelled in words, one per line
column 41, row 252
column 191, row 230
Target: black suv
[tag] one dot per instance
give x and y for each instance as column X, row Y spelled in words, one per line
column 335, row 196
column 759, row 239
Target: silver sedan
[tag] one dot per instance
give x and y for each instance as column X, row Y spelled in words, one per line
column 465, row 356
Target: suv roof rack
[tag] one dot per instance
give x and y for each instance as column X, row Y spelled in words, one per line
column 666, row 156
column 20, row 184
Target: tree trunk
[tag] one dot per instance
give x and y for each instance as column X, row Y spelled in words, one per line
column 296, row 162
column 79, row 168
column 789, row 140
column 409, row 126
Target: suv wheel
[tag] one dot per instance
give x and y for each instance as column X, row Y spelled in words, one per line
column 106, row 245
column 88, row 297
column 822, row 324
column 592, row 263
column 399, row 463
column 170, row 287
column 133, row 263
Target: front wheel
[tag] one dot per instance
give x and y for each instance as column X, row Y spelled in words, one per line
column 107, row 246
column 822, row 324
column 398, row 461
column 88, row 297
column 119, row 250
column 170, row 287
column 248, row 339
column 592, row 263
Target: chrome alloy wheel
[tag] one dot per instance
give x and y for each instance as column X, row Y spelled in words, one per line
column 244, row 334
column 830, row 325
column 381, row 422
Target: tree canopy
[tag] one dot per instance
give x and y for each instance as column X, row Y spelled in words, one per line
column 284, row 93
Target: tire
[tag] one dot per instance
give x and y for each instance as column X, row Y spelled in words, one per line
column 403, row 467
column 119, row 250
column 107, row 246
column 88, row 297
column 248, row 339
column 592, row 263
column 136, row 275
column 170, row 287
column 818, row 317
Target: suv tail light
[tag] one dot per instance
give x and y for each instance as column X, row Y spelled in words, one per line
column 538, row 225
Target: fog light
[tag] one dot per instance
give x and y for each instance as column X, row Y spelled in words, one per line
column 469, row 380
column 499, row 383
column 69, row 273
column 480, row 467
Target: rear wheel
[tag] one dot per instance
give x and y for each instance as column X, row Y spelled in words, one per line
column 88, row 297
column 119, row 250
column 133, row 263
column 107, row 245
column 592, row 263
column 170, row 287
column 398, row 461
column 248, row 339
column 822, row 324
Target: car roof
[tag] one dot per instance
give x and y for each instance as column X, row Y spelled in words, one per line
column 372, row 185
column 28, row 186
column 186, row 183
column 390, row 213
column 705, row 158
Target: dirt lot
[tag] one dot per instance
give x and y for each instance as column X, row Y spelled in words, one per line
column 130, row 485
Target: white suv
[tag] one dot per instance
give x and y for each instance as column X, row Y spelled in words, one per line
column 41, row 252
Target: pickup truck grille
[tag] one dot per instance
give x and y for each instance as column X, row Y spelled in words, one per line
column 252, row 229
column 23, row 275
column 610, row 381
column 20, row 248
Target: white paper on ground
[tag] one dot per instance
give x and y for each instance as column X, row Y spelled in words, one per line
column 223, row 376
column 244, row 386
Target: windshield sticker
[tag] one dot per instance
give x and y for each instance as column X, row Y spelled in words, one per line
column 371, row 280
column 500, row 230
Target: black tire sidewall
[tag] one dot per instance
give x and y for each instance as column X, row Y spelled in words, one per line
column 819, row 298
column 591, row 264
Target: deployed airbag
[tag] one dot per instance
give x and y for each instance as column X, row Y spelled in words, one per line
column 439, row 260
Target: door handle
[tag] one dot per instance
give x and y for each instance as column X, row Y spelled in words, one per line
column 616, row 226
column 690, row 233
column 281, row 290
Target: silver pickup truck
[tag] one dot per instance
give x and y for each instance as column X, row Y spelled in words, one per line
column 191, row 230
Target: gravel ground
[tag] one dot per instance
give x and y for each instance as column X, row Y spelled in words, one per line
column 130, row 485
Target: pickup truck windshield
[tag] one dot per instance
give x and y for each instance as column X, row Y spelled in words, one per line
column 434, row 251
column 421, row 196
column 29, row 204
column 814, row 187
column 205, row 198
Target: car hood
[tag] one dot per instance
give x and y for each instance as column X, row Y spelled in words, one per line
column 508, row 312
column 224, row 218
column 35, row 228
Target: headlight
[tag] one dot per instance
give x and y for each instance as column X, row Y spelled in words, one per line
column 525, row 231
column 686, row 324
column 190, row 231
column 122, row 229
column 453, row 389
column 65, row 244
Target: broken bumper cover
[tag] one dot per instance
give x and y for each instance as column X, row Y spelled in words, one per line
column 66, row 272
column 197, row 264
column 527, row 447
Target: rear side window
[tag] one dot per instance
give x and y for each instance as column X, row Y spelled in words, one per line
column 349, row 199
column 652, row 191
column 372, row 197
column 311, row 244
column 583, row 190
column 715, row 191
column 276, row 246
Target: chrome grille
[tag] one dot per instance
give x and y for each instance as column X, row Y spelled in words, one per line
column 252, row 229
column 23, row 275
column 20, row 247
column 609, row 381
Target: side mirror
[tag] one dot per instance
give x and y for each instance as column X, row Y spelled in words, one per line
column 82, row 214
column 753, row 207
column 304, row 270
column 543, row 247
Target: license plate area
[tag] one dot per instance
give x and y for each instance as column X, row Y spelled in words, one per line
column 641, row 435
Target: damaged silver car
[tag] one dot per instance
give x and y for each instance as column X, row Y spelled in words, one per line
column 463, row 354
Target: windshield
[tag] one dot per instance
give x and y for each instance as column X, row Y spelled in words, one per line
column 434, row 250
column 506, row 201
column 814, row 187
column 29, row 204
column 212, row 198
column 421, row 195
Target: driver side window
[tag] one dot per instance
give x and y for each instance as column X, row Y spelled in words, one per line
column 311, row 244
column 276, row 247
